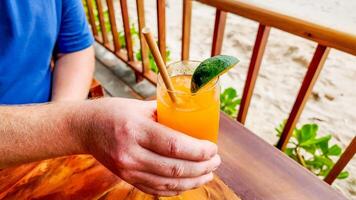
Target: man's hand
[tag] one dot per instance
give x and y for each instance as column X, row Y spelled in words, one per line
column 126, row 138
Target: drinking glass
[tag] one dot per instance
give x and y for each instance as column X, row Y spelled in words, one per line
column 195, row 114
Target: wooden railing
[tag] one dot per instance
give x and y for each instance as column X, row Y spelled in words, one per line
column 325, row 38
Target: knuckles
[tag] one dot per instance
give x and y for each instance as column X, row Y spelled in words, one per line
column 173, row 147
column 171, row 186
column 125, row 161
column 128, row 129
column 206, row 153
column 177, row 170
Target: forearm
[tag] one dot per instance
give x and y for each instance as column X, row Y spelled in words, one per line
column 37, row 132
column 73, row 74
column 122, row 134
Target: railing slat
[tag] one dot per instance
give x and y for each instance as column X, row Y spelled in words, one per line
column 99, row 6
column 187, row 18
column 115, row 34
column 141, row 24
column 255, row 63
column 126, row 23
column 310, row 78
column 342, row 162
column 91, row 17
column 161, row 19
column 219, row 28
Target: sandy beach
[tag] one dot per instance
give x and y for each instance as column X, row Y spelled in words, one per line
column 331, row 105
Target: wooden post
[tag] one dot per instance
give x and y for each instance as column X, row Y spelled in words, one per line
column 102, row 22
column 161, row 19
column 255, row 64
column 115, row 34
column 141, row 24
column 310, row 78
column 91, row 17
column 187, row 18
column 342, row 162
column 126, row 23
column 219, row 28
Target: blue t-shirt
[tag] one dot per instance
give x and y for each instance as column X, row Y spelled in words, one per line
column 31, row 31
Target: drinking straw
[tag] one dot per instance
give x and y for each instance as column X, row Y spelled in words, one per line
column 159, row 62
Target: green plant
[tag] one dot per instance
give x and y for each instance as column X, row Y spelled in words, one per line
column 134, row 35
column 229, row 101
column 311, row 151
column 151, row 60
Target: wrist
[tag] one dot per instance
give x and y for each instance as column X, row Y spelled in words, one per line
column 92, row 125
column 80, row 120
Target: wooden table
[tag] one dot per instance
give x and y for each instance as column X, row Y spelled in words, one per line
column 251, row 169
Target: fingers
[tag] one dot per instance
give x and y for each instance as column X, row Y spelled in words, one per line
column 171, row 167
column 173, row 184
column 171, row 143
column 164, row 186
column 151, row 191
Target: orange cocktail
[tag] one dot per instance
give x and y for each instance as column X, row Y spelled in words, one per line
column 196, row 114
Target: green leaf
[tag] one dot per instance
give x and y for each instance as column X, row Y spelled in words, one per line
column 229, row 101
column 168, row 55
column 298, row 135
column 230, row 93
column 308, row 132
column 153, row 66
column 138, row 56
column 294, row 131
column 234, row 103
column 315, row 141
column 343, row 175
column 324, row 146
column 122, row 40
column 310, row 148
column 289, row 151
column 324, row 172
column 107, row 21
column 320, row 161
column 315, row 163
column 133, row 30
column 334, row 150
column 326, row 161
